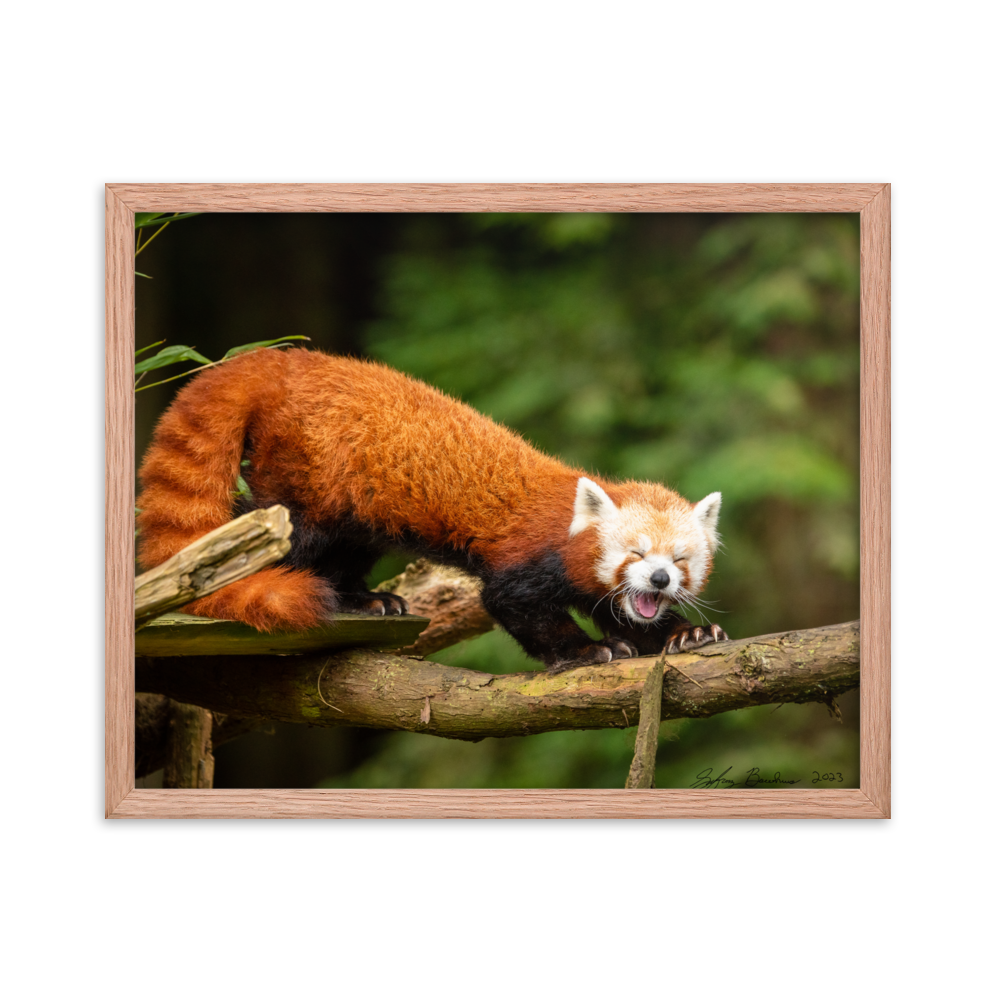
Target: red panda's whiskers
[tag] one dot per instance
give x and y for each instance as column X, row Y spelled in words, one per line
column 622, row 588
column 690, row 611
column 685, row 599
column 610, row 596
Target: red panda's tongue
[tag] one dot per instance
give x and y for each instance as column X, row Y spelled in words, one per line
column 646, row 603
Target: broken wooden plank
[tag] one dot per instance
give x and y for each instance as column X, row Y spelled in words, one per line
column 223, row 556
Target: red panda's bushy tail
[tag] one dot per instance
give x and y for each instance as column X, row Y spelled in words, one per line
column 188, row 478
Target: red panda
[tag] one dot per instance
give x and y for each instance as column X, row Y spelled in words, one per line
column 367, row 459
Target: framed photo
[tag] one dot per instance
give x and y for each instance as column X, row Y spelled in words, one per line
column 871, row 202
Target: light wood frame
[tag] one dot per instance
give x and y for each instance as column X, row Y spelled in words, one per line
column 871, row 800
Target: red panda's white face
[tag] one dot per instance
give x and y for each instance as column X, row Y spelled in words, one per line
column 655, row 548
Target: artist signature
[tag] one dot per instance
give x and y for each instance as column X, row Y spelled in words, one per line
column 753, row 778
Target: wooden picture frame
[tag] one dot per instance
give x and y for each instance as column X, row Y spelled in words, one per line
column 871, row 800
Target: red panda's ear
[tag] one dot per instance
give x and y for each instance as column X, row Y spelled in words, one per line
column 706, row 512
column 592, row 507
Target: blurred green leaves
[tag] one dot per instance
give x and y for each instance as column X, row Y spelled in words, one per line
column 561, row 231
column 781, row 465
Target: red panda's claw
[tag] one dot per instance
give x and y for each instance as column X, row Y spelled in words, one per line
column 694, row 637
column 373, row 603
column 620, row 648
column 599, row 652
column 395, row 605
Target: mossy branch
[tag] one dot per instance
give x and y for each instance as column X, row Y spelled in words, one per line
column 387, row 691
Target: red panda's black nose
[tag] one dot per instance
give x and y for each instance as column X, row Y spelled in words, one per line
column 660, row 578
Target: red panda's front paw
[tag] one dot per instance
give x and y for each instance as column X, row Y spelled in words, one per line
column 688, row 636
column 620, row 649
column 373, row 603
column 599, row 652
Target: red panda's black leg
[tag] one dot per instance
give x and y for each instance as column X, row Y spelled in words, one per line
column 551, row 635
column 340, row 553
column 595, row 652
column 531, row 602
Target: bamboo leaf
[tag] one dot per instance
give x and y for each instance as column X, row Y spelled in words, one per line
column 233, row 351
column 169, row 356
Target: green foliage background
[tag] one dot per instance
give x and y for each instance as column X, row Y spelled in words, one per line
column 707, row 352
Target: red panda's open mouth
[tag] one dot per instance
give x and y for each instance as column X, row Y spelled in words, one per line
column 645, row 605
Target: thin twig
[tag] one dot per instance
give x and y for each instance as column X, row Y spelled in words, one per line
column 320, row 693
column 190, row 371
column 139, row 249
column 683, row 673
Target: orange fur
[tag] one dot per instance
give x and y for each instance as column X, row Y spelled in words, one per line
column 276, row 597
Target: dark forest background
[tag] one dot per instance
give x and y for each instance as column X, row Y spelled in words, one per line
column 709, row 352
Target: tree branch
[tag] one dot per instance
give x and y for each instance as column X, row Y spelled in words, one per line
column 448, row 596
column 387, row 691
